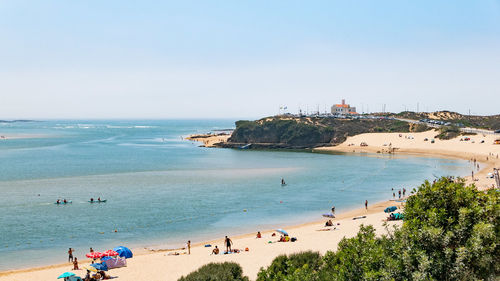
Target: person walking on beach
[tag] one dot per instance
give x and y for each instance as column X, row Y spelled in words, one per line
column 333, row 210
column 70, row 255
column 188, row 246
column 393, row 195
column 366, row 204
column 399, row 194
column 404, row 191
column 228, row 243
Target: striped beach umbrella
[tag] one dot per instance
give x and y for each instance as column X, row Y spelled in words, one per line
column 94, row 255
column 110, row 253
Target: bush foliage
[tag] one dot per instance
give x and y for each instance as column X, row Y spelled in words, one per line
column 448, row 132
column 228, row 271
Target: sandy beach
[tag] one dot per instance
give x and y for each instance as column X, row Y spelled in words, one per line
column 162, row 265
column 209, row 140
column 486, row 153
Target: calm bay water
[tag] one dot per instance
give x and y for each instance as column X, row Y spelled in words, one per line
column 163, row 190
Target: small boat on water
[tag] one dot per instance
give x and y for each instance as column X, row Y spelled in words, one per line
column 98, row 201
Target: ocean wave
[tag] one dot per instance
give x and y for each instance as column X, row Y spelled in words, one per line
column 144, row 127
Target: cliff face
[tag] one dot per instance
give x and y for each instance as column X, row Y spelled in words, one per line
column 308, row 132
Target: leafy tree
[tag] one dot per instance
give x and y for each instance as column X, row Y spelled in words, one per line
column 451, row 232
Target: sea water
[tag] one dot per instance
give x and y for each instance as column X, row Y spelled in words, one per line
column 163, row 190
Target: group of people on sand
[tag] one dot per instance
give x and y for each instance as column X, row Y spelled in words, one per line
column 228, row 243
column 215, row 251
column 100, row 275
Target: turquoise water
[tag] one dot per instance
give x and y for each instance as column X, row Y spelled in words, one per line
column 163, row 190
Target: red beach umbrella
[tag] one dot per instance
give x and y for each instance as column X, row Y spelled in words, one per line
column 110, row 253
column 94, row 255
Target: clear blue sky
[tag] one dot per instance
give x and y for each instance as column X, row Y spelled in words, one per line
column 236, row 59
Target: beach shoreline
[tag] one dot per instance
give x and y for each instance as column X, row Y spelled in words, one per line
column 259, row 254
column 486, row 154
column 374, row 209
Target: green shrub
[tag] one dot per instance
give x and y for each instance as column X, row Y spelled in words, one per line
column 300, row 265
column 451, row 232
column 448, row 132
column 363, row 257
column 228, row 271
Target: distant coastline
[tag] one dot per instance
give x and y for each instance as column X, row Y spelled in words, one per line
column 18, row 121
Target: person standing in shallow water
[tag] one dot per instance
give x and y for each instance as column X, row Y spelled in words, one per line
column 366, row 204
column 70, row 255
column 228, row 243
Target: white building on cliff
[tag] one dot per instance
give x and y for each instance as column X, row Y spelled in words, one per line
column 343, row 108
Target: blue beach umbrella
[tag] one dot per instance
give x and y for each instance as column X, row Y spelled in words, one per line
column 390, row 209
column 282, row 231
column 123, row 252
column 66, row 274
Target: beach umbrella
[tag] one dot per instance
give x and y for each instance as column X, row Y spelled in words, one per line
column 100, row 266
column 282, row 231
column 390, row 209
column 66, row 274
column 110, row 253
column 94, row 255
column 90, row 268
column 123, row 252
